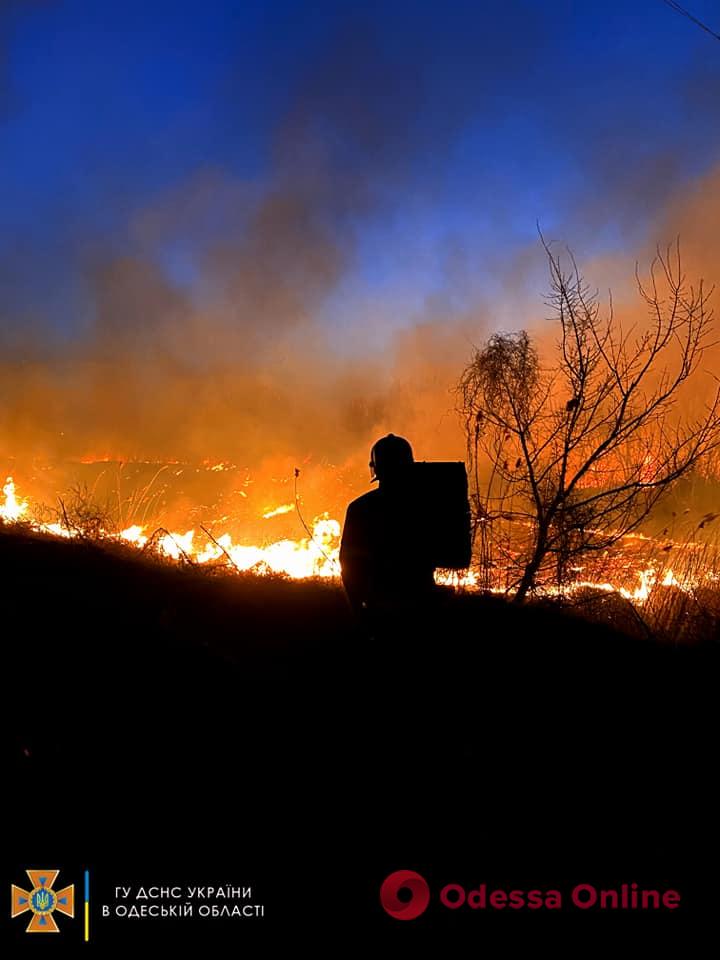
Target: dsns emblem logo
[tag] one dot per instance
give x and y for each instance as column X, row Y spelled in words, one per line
column 43, row 901
column 404, row 895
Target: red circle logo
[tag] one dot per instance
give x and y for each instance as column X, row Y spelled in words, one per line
column 404, row 895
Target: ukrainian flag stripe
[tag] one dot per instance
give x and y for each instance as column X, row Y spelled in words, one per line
column 87, row 905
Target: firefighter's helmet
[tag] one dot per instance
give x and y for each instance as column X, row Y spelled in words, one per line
column 390, row 456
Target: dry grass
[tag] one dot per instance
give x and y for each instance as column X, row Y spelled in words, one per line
column 667, row 587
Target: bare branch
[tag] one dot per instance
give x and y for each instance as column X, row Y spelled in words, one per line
column 585, row 447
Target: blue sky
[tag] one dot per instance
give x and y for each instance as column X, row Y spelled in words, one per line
column 425, row 139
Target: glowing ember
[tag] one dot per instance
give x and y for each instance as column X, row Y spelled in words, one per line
column 134, row 535
column 641, row 592
column 278, row 511
column 467, row 579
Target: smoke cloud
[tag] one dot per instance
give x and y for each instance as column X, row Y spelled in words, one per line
column 205, row 332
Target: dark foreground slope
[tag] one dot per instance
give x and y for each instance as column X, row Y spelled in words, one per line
column 162, row 724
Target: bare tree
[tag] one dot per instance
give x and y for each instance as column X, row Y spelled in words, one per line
column 581, row 449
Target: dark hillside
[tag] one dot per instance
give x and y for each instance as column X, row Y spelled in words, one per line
column 171, row 716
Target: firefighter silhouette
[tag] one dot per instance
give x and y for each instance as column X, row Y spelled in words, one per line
column 384, row 558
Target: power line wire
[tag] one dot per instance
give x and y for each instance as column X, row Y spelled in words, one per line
column 686, row 13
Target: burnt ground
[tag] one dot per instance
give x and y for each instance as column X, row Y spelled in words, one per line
column 165, row 726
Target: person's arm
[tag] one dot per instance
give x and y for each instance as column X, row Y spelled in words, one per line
column 355, row 560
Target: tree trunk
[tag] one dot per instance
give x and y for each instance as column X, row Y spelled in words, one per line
column 528, row 578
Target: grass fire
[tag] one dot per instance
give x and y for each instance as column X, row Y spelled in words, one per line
column 580, row 454
column 359, row 468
